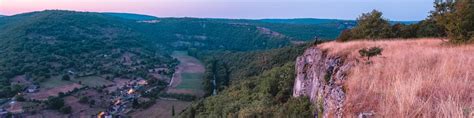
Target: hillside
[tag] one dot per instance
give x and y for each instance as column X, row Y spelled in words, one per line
column 251, row 85
column 326, row 29
column 412, row 78
column 59, row 40
column 66, row 37
column 203, row 34
column 50, row 44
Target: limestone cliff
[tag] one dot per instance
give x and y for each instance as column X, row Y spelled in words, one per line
column 321, row 78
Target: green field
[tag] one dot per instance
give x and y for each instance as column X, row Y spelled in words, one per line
column 191, row 81
column 92, row 81
column 54, row 82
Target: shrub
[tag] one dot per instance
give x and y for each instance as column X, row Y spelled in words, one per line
column 83, row 100
column 55, row 103
column 66, row 109
column 66, row 77
column 20, row 98
column 373, row 51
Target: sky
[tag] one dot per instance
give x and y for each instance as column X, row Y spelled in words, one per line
column 401, row 10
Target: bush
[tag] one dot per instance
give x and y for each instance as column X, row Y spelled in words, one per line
column 20, row 98
column 373, row 51
column 83, row 100
column 65, row 109
column 55, row 103
column 66, row 77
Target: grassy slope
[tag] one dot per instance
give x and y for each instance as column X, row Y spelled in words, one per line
column 412, row 78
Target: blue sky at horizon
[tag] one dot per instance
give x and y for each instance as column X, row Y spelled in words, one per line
column 400, row 10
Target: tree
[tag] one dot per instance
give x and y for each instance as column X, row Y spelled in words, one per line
column 135, row 103
column 172, row 111
column 345, row 35
column 369, row 26
column 83, row 100
column 404, row 31
column 66, row 109
column 66, row 77
column 460, row 22
column 373, row 51
column 20, row 98
column 55, row 103
column 372, row 26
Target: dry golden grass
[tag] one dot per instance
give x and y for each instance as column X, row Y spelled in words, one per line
column 412, row 78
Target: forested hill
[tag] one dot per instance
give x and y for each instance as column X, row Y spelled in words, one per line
column 48, row 43
column 296, row 29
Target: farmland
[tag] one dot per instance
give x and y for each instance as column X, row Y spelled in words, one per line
column 188, row 76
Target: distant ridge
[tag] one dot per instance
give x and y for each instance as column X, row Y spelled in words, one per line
column 321, row 21
column 131, row 16
column 303, row 21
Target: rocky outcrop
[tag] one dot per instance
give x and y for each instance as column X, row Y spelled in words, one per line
column 321, row 78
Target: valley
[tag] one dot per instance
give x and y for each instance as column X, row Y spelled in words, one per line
column 115, row 65
column 86, row 64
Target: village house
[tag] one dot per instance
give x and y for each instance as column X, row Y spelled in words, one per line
column 104, row 115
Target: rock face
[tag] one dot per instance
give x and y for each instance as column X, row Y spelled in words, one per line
column 321, row 78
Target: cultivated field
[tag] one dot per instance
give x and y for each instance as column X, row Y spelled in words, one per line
column 188, row 75
column 189, row 81
column 412, row 78
column 93, row 81
column 44, row 93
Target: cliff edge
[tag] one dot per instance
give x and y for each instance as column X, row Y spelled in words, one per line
column 412, row 78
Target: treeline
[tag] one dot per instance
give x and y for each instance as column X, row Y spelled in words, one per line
column 452, row 19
